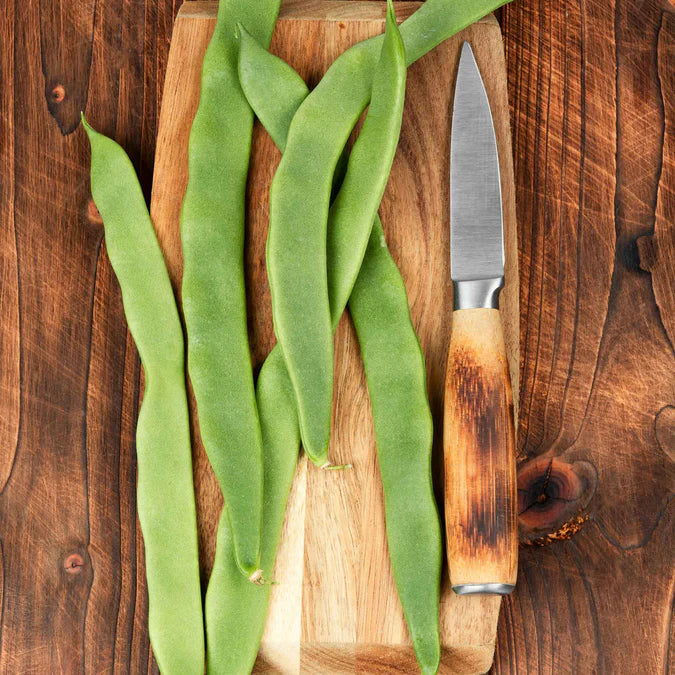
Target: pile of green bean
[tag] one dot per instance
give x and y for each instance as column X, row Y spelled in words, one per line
column 326, row 249
column 392, row 356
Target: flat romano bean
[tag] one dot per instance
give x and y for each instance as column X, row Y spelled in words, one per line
column 299, row 203
column 367, row 173
column 392, row 356
column 396, row 378
column 236, row 609
column 165, row 502
column 214, row 298
column 296, row 269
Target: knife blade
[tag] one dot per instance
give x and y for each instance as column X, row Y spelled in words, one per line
column 479, row 436
column 476, row 239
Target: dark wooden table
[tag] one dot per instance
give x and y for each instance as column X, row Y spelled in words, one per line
column 592, row 87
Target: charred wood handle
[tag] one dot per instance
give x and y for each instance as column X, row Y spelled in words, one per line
column 479, row 450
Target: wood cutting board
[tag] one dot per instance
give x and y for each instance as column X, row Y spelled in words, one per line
column 336, row 609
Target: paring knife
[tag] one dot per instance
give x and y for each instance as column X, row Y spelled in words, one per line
column 478, row 439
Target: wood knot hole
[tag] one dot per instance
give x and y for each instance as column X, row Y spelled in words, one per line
column 73, row 564
column 551, row 492
column 58, row 93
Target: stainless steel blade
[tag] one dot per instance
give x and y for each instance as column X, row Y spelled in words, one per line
column 476, row 227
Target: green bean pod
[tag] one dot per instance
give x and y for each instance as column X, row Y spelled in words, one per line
column 368, row 167
column 396, row 378
column 165, row 501
column 214, row 296
column 296, row 269
column 236, row 609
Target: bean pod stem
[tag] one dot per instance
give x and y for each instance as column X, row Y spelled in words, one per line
column 165, row 501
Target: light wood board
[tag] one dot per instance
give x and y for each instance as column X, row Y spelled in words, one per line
column 336, row 608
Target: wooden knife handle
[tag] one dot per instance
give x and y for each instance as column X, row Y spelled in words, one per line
column 480, row 464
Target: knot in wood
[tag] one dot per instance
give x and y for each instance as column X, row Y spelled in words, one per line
column 58, row 93
column 550, row 492
column 73, row 563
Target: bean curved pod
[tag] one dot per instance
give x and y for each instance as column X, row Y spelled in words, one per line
column 165, row 502
column 213, row 292
column 368, row 167
column 396, row 378
column 235, row 609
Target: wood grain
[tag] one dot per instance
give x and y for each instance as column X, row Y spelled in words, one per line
column 592, row 93
column 336, row 606
column 592, row 100
column 480, row 455
column 73, row 593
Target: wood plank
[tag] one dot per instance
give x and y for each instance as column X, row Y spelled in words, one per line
column 336, row 607
column 72, row 596
column 46, row 565
column 591, row 88
column 582, row 605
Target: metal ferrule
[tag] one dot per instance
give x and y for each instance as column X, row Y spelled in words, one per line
column 477, row 293
column 483, row 589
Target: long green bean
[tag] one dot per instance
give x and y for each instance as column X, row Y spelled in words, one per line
column 165, row 502
column 396, row 378
column 299, row 203
column 368, row 167
column 235, row 609
column 214, row 297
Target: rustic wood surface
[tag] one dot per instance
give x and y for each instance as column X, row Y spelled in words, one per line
column 336, row 606
column 592, row 90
